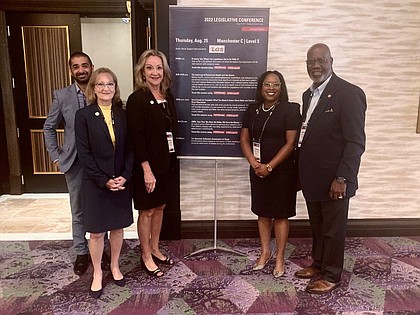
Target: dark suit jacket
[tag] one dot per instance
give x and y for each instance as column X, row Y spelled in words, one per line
column 146, row 125
column 334, row 140
column 64, row 107
column 100, row 161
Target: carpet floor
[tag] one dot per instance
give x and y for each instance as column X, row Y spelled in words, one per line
column 382, row 276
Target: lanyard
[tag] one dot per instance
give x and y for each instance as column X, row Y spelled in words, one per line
column 265, row 123
column 164, row 107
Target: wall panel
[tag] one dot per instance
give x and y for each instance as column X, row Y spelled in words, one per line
column 376, row 45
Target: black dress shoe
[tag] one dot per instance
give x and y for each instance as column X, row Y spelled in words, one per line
column 105, row 262
column 96, row 294
column 154, row 273
column 81, row 264
column 166, row 261
column 120, row 282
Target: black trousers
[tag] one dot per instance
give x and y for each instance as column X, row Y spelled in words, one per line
column 328, row 221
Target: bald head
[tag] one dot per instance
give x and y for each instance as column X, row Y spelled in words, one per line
column 320, row 46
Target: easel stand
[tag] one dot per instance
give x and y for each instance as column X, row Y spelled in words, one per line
column 215, row 248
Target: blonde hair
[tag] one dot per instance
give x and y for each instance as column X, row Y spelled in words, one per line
column 139, row 78
column 90, row 89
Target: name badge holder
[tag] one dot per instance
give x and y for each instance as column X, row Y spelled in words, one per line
column 256, row 150
column 302, row 133
column 170, row 138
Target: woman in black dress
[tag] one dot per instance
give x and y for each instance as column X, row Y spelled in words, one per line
column 107, row 161
column 268, row 137
column 152, row 125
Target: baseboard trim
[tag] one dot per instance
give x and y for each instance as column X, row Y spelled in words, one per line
column 299, row 228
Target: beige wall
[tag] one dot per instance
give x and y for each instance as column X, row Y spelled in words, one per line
column 108, row 43
column 376, row 45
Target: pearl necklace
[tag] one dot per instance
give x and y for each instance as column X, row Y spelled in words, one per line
column 268, row 109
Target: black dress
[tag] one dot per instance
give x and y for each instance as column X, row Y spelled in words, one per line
column 275, row 195
column 148, row 124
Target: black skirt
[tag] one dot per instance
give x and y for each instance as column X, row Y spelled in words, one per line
column 105, row 210
column 275, row 195
column 160, row 195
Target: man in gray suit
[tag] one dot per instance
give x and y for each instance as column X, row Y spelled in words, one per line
column 63, row 109
column 331, row 143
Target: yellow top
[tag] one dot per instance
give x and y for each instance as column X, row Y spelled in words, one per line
column 106, row 111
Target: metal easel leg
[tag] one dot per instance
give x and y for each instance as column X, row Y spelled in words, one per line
column 214, row 248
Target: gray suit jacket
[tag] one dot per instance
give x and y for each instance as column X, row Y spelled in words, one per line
column 64, row 107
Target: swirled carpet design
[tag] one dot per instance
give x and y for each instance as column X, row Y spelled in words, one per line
column 382, row 276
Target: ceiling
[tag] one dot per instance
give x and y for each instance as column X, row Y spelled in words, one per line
column 86, row 8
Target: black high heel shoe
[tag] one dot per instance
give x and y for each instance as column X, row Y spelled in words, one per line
column 96, row 294
column 120, row 282
column 154, row 273
column 167, row 261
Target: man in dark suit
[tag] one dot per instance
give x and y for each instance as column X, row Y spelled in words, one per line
column 63, row 109
column 331, row 143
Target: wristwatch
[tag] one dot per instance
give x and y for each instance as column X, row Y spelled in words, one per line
column 269, row 168
column 340, row 180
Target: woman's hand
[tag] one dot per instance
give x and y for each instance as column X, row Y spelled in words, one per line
column 149, row 181
column 120, row 181
column 262, row 171
column 116, row 184
column 255, row 165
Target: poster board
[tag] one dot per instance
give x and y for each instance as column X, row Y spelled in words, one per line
column 216, row 57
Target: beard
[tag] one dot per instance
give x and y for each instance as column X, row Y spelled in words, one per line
column 318, row 76
column 82, row 78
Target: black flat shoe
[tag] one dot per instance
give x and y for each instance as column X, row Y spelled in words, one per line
column 154, row 273
column 81, row 264
column 120, row 282
column 166, row 261
column 96, row 294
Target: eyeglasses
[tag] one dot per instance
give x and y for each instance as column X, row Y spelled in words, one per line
column 320, row 61
column 271, row 84
column 101, row 86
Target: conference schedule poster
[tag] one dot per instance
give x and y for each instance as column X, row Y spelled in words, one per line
column 216, row 57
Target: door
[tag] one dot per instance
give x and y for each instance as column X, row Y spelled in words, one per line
column 39, row 48
column 141, row 30
column 4, row 161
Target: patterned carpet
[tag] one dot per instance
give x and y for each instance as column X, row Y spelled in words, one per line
column 382, row 277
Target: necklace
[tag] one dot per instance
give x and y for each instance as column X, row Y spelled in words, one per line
column 268, row 109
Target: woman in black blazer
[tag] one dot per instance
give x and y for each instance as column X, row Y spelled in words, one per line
column 107, row 161
column 152, row 125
